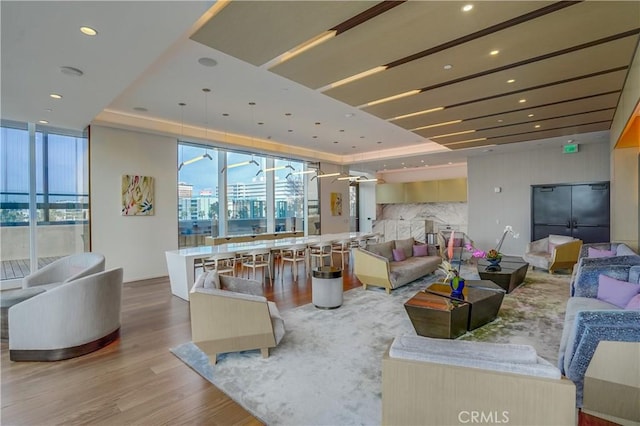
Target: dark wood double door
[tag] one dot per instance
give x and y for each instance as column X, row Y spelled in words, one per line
column 577, row 210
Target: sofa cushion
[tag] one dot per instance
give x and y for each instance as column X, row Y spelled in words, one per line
column 383, row 249
column 398, row 255
column 594, row 253
column 241, row 285
column 420, row 250
column 518, row 359
column 406, row 245
column 616, row 292
column 411, row 269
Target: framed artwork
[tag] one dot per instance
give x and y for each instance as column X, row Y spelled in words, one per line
column 336, row 204
column 137, row 195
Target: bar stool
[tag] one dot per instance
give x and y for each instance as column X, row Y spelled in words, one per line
column 344, row 247
column 256, row 259
column 294, row 255
column 319, row 252
column 224, row 263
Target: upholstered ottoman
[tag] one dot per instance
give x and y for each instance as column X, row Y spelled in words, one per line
column 8, row 299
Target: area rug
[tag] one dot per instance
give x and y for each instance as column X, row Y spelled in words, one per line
column 327, row 369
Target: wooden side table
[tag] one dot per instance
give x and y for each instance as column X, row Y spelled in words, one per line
column 433, row 315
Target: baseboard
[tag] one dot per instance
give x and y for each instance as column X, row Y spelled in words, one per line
column 63, row 353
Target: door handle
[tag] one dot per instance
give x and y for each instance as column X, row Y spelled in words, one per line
column 575, row 223
column 568, row 223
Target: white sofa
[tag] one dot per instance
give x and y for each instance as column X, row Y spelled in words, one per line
column 429, row 381
column 72, row 319
column 65, row 269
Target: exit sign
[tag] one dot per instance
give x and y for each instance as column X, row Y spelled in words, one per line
column 570, row 148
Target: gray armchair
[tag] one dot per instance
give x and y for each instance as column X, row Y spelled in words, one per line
column 70, row 320
column 65, row 269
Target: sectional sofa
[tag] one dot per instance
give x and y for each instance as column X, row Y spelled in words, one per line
column 597, row 311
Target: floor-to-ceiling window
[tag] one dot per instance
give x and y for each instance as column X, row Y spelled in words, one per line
column 55, row 163
column 263, row 194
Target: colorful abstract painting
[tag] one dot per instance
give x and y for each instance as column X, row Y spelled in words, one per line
column 137, row 195
column 336, row 204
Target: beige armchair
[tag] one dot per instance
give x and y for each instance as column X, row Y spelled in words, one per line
column 445, row 382
column 229, row 314
column 553, row 252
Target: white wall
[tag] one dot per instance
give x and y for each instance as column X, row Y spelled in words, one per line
column 135, row 243
column 489, row 211
column 333, row 224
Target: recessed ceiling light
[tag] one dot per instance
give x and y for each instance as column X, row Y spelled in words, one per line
column 467, row 7
column 43, row 122
column 511, row 80
column 314, row 137
column 88, row 31
column 500, row 120
column 341, row 130
column 225, row 114
column 182, row 104
column 448, row 67
column 494, row 52
column 537, row 126
column 530, row 115
column 361, row 137
column 141, row 109
column 260, row 123
column 570, row 140
column 402, row 164
column 317, row 123
column 290, row 131
column 207, row 62
column 450, row 162
column 379, row 142
column 74, row 72
column 252, row 103
column 522, row 101
column 422, row 161
column 288, row 114
column 335, row 141
column 55, row 96
column 353, row 146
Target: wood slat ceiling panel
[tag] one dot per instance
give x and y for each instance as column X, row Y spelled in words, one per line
column 566, row 91
column 532, row 136
column 581, row 62
column 507, row 128
column 258, row 31
column 535, row 75
column 550, row 124
column 401, row 31
column 487, row 119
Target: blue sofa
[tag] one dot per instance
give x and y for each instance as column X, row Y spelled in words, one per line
column 623, row 255
column 589, row 320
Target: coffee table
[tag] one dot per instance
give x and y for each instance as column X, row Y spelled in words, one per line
column 509, row 275
column 433, row 315
column 484, row 296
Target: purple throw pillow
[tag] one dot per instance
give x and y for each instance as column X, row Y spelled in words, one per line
column 421, row 250
column 634, row 303
column 398, row 255
column 594, row 252
column 616, row 292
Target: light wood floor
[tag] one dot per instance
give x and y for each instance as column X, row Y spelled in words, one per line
column 135, row 380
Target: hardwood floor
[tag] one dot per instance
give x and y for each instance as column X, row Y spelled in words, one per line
column 135, row 380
